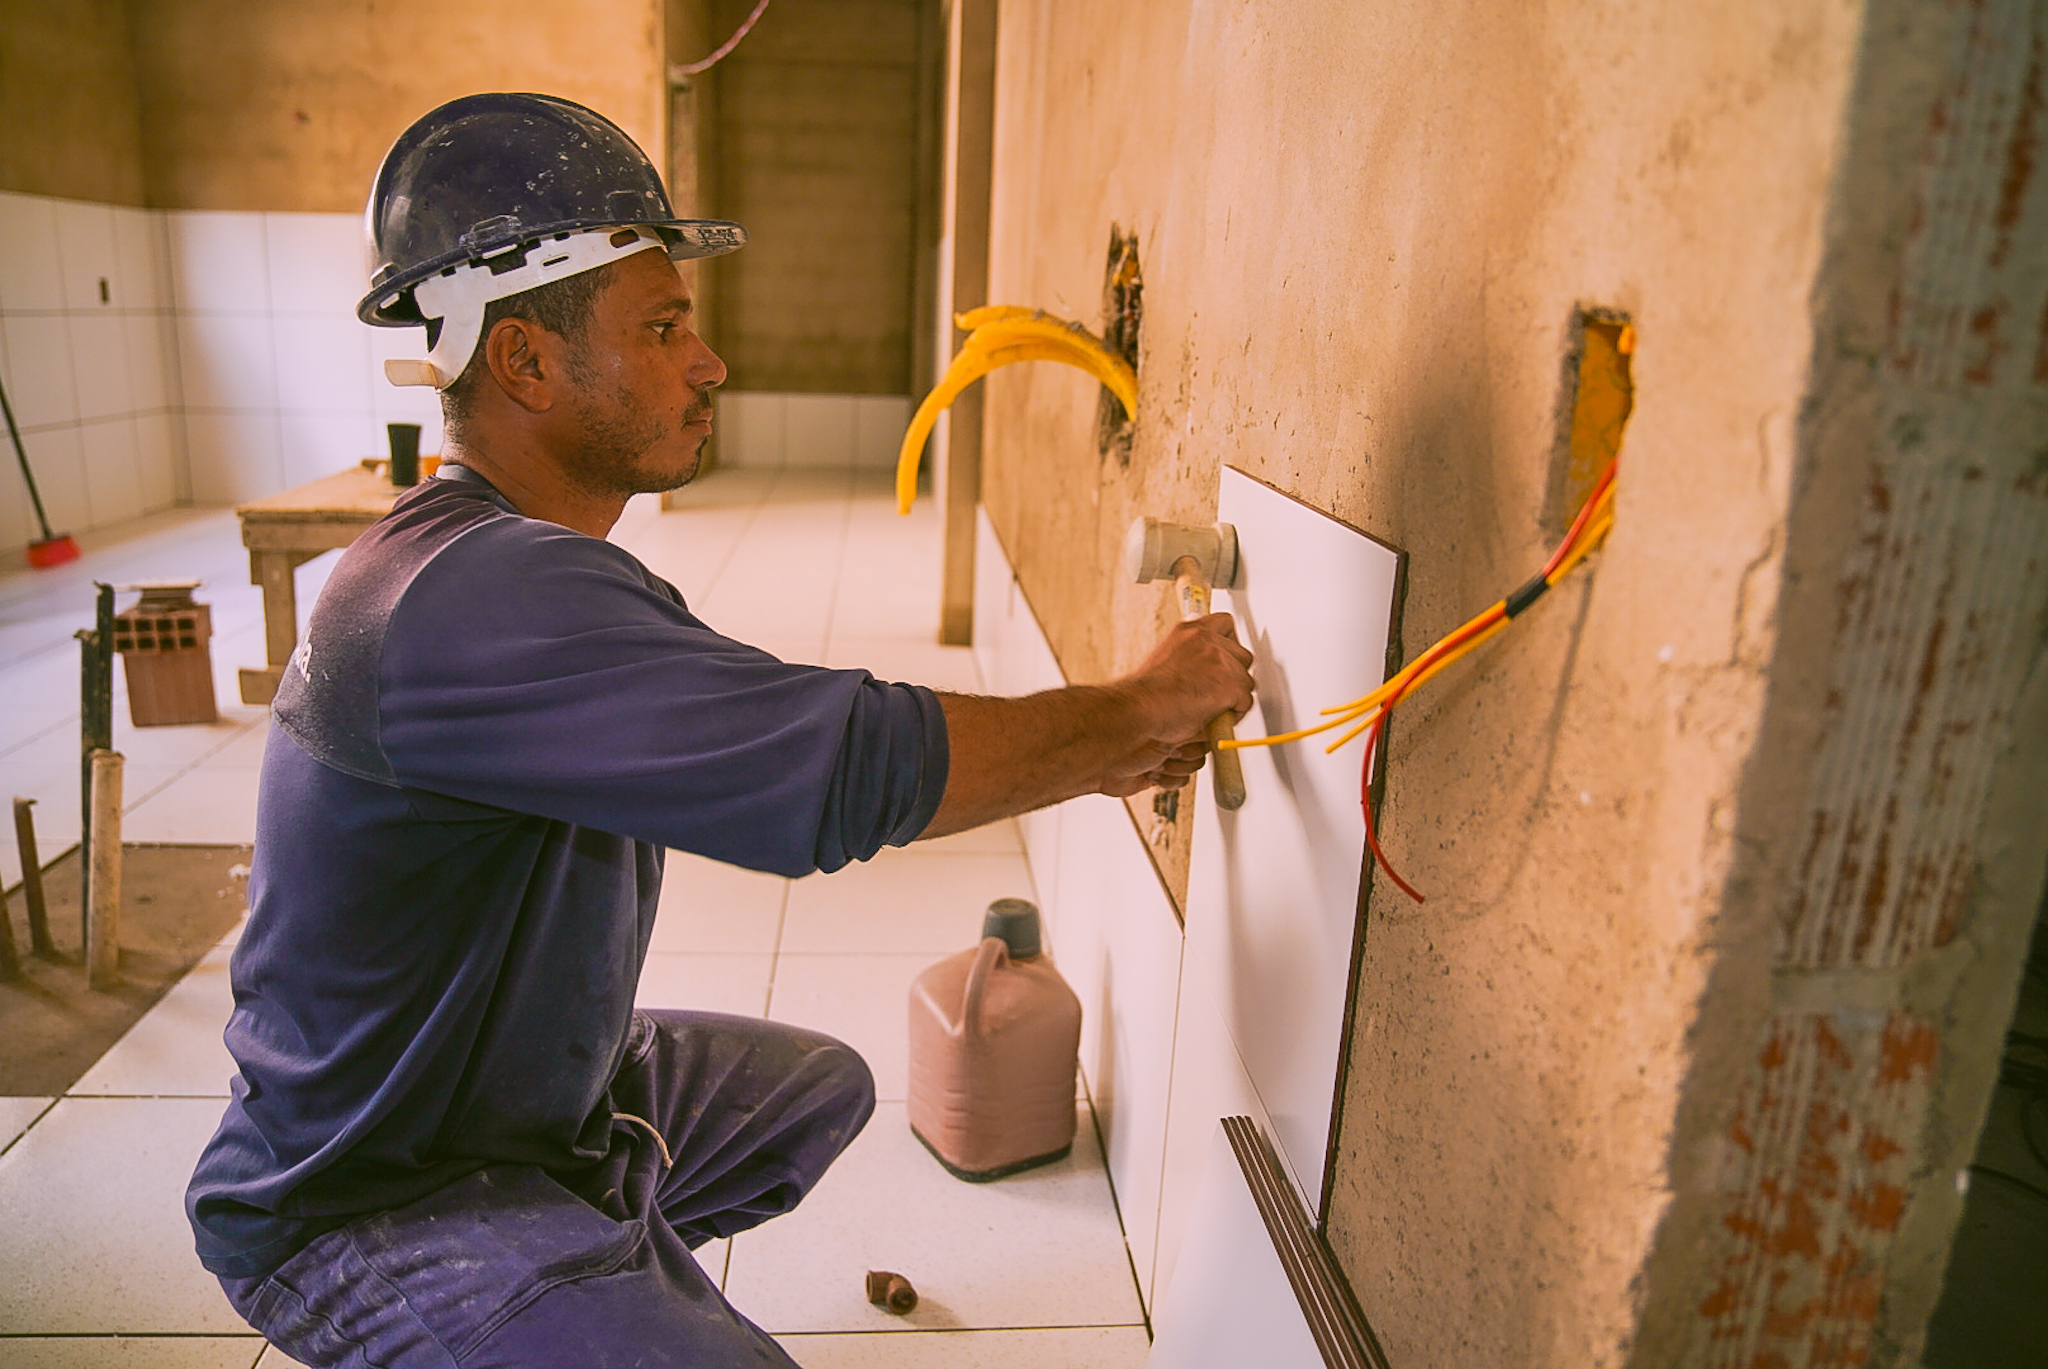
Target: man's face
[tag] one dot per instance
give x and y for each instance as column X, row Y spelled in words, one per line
column 640, row 401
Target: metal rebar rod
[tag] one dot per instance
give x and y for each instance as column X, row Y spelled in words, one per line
column 32, row 879
column 95, row 728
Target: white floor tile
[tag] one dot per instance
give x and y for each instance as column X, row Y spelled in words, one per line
column 15, row 1116
column 215, row 806
column 132, row 1352
column 176, row 1049
column 902, row 900
column 95, row 1238
column 274, row 1358
column 861, row 999
column 888, row 1205
column 707, row 983
column 1087, row 1347
column 707, row 905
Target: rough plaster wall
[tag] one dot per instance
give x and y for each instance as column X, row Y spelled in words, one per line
column 69, row 122
column 1890, row 830
column 1365, row 231
column 291, row 106
column 816, row 117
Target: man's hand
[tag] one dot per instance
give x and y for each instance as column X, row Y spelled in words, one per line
column 1197, row 671
column 1011, row 756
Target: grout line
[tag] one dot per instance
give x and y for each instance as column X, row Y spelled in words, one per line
column 970, row 1330
column 31, row 1123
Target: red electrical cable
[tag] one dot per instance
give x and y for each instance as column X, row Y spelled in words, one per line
column 694, row 68
column 1449, row 644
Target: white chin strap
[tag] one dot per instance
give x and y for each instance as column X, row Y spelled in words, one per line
column 458, row 295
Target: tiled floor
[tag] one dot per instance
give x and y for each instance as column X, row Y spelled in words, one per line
column 811, row 564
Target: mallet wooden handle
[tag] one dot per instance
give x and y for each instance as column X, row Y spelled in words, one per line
column 1191, row 588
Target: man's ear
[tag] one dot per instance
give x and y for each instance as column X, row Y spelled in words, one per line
column 525, row 360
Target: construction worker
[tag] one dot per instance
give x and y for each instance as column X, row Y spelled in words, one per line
column 452, row 1139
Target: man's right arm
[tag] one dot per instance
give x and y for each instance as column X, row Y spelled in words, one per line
column 1011, row 756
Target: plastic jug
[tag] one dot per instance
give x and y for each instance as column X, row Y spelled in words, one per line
column 995, row 1041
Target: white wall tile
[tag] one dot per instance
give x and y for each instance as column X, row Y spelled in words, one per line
column 87, row 253
column 150, row 382
column 818, row 430
column 750, row 429
column 322, row 444
column 390, row 403
column 226, row 361
column 233, row 457
column 99, row 365
column 113, row 479
column 323, row 363
column 142, row 260
column 16, row 522
column 218, row 261
column 39, row 382
column 879, row 422
column 59, row 465
column 157, row 460
column 315, row 263
column 31, row 275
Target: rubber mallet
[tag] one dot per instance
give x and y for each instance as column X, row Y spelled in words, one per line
column 1195, row 558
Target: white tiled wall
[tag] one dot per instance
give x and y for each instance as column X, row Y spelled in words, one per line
column 1110, row 925
column 764, row 429
column 282, row 384
column 88, row 353
column 226, row 364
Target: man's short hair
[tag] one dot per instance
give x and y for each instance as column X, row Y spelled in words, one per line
column 563, row 307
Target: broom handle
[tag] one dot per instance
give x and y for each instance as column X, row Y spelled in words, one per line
column 21, row 455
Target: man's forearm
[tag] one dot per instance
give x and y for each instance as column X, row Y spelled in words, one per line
column 1011, row 756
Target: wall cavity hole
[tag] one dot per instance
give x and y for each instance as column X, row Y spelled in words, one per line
column 1123, row 290
column 1598, row 395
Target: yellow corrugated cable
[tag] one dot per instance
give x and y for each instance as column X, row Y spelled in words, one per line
column 1001, row 335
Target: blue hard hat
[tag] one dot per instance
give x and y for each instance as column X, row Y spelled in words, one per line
column 488, row 175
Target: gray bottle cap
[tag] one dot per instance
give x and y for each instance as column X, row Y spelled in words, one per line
column 1015, row 920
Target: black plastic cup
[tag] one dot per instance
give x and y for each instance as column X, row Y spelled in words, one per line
column 405, row 452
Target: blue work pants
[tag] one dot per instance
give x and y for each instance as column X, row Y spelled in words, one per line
column 515, row 1267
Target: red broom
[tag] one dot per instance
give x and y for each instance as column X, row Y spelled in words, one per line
column 55, row 548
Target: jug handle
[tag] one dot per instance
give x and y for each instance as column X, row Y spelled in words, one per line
column 992, row 951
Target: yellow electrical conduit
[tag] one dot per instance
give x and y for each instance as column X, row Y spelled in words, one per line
column 998, row 335
column 1591, row 526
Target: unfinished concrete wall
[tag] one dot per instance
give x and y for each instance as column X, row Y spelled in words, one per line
column 70, row 125
column 1365, row 235
column 290, row 107
column 818, row 115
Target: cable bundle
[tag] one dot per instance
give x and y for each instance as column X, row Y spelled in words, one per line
column 1369, row 714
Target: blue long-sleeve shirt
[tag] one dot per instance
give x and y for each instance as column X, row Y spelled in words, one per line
column 494, row 727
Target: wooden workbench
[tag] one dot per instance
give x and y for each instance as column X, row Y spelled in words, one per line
column 287, row 530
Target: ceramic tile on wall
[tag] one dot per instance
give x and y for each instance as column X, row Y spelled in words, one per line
column 99, row 365
column 879, row 422
column 31, row 275
column 321, row 444
column 323, row 363
column 113, row 477
column 315, row 263
column 158, row 460
column 219, row 262
column 151, row 382
column 227, row 361
column 142, row 260
column 86, row 249
column 39, row 381
column 58, row 459
column 818, row 430
column 749, row 426
column 233, row 456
